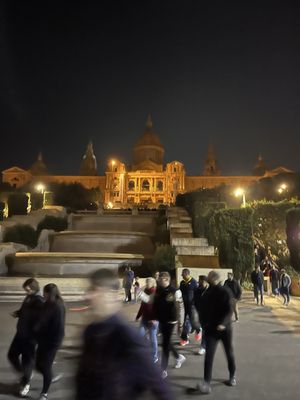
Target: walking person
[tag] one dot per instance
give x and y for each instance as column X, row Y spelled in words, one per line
column 257, row 278
column 21, row 353
column 199, row 292
column 127, row 283
column 188, row 285
column 216, row 317
column 149, row 325
column 137, row 288
column 50, row 333
column 285, row 283
column 115, row 363
column 275, row 280
column 236, row 291
column 168, row 308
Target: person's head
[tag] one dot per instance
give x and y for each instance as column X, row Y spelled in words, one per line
column 213, row 278
column 202, row 280
column 31, row 286
column 230, row 276
column 103, row 293
column 164, row 279
column 51, row 293
column 136, row 278
column 283, row 271
column 186, row 273
column 257, row 268
column 150, row 283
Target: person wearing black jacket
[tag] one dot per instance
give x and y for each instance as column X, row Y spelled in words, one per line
column 257, row 278
column 116, row 361
column 24, row 343
column 216, row 313
column 166, row 305
column 236, row 291
column 50, row 334
column 188, row 285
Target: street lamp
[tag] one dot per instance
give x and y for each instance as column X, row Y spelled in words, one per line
column 239, row 192
column 41, row 188
column 282, row 188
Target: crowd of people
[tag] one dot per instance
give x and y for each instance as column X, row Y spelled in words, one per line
column 266, row 273
column 120, row 362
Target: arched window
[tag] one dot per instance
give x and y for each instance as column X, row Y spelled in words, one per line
column 159, row 186
column 145, row 185
column 131, row 185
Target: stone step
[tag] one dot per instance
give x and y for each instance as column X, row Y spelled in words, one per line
column 174, row 231
column 189, row 242
column 188, row 261
column 195, row 251
column 177, row 225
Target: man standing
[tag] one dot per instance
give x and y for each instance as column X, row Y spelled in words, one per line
column 285, row 283
column 116, row 363
column 199, row 293
column 257, row 278
column 274, row 279
column 187, row 287
column 216, row 317
column 235, row 288
column 167, row 302
column 127, row 283
column 24, row 343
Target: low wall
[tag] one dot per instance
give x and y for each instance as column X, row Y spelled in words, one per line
column 67, row 264
column 102, row 242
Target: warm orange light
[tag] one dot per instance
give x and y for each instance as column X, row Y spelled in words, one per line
column 40, row 188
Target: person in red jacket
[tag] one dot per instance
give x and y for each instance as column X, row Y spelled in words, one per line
column 149, row 325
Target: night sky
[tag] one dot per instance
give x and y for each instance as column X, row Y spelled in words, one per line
column 221, row 72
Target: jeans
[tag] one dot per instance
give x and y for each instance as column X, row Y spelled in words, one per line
column 259, row 289
column 24, row 348
column 211, row 339
column 285, row 293
column 189, row 322
column 151, row 328
column 166, row 330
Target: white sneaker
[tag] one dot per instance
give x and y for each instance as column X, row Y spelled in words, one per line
column 164, row 374
column 180, row 360
column 201, row 351
column 24, row 390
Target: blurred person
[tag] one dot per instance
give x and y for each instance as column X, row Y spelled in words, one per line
column 285, row 283
column 216, row 317
column 156, row 277
column 50, row 334
column 235, row 288
column 168, row 308
column 137, row 288
column 199, row 292
column 21, row 353
column 149, row 326
column 188, row 285
column 115, row 363
column 127, row 283
column 275, row 280
column 257, row 279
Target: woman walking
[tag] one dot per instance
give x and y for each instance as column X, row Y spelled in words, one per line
column 50, row 335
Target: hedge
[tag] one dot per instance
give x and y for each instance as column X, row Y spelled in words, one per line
column 54, row 223
column 293, row 236
column 20, row 233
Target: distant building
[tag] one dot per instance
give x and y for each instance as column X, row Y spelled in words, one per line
column 148, row 181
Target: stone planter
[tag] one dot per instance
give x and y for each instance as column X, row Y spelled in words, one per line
column 295, row 287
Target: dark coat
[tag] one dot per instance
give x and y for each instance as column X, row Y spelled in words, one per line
column 257, row 278
column 234, row 287
column 51, row 329
column 164, row 304
column 216, row 308
column 29, row 315
column 116, row 364
column 188, row 291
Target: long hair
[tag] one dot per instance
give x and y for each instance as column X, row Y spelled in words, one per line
column 53, row 293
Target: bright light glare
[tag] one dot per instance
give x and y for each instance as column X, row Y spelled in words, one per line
column 239, row 192
column 40, row 187
column 110, row 205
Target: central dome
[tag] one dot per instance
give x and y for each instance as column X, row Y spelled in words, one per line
column 148, row 151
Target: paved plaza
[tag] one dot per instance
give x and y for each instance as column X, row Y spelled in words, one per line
column 267, row 348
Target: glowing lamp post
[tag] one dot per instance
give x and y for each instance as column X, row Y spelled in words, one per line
column 239, row 192
column 283, row 188
column 41, row 189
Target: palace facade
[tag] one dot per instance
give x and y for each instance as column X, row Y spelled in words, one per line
column 148, row 181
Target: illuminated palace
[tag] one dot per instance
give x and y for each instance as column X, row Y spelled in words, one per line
column 147, row 181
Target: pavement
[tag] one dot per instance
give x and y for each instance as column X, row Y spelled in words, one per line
column 266, row 343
